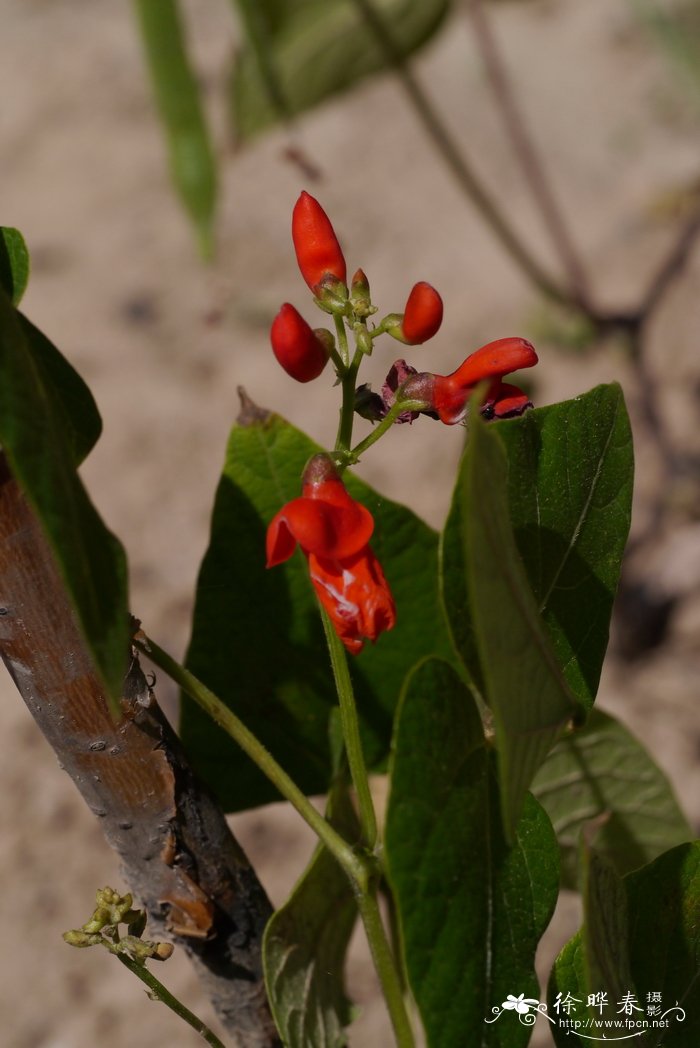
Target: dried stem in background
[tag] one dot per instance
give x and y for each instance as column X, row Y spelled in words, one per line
column 526, row 154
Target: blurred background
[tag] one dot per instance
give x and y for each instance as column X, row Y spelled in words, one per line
column 608, row 97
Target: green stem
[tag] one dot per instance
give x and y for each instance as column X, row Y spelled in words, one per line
column 160, row 993
column 396, row 409
column 351, row 733
column 354, row 865
column 386, row 968
column 347, row 409
column 359, row 869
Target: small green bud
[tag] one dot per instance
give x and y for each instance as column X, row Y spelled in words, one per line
column 77, row 937
column 360, row 296
column 363, row 339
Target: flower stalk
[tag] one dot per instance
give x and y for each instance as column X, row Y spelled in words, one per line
column 351, row 733
column 359, row 866
column 353, row 864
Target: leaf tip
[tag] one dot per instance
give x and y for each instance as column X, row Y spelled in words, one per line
column 251, row 414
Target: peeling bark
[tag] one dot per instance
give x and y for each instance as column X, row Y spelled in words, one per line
column 179, row 857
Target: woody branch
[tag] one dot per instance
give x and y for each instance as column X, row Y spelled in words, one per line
column 178, row 854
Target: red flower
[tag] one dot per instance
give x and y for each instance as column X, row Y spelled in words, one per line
column 423, row 314
column 333, row 531
column 297, row 347
column 316, row 245
column 447, row 396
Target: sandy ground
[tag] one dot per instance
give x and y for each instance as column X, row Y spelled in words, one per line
column 164, row 341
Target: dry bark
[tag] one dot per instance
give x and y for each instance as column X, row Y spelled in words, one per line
column 179, row 857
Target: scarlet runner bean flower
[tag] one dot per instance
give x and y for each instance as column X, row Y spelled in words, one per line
column 447, row 396
column 333, row 531
column 422, row 316
column 299, row 349
column 316, row 245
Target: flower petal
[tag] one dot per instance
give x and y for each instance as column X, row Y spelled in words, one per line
column 319, row 527
column 495, row 359
column 356, row 596
column 505, row 401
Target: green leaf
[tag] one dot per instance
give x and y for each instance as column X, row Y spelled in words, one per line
column 14, row 263
column 177, row 93
column 523, row 682
column 297, row 55
column 41, row 450
column 663, row 901
column 605, row 954
column 305, row 945
column 592, row 976
column 72, row 402
column 570, row 472
column 603, row 769
column 660, row 952
column 471, row 909
column 257, row 639
column 72, row 399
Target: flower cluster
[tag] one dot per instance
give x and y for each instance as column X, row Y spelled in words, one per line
column 332, row 529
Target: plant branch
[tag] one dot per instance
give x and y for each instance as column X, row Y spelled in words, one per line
column 351, row 733
column 358, row 867
column 263, row 759
column 455, row 159
column 179, row 856
column 158, row 992
column 526, row 153
column 386, row 968
column 671, row 267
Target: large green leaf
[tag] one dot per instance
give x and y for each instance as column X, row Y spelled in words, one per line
column 41, row 449
column 523, row 682
column 257, row 639
column 660, row 952
column 72, row 400
column 570, row 472
column 305, row 945
column 471, row 908
column 296, row 55
column 603, row 770
column 14, row 263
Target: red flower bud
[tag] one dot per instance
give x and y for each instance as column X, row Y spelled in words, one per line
column 423, row 314
column 298, row 349
column 316, row 245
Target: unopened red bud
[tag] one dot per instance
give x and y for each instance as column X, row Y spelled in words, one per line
column 316, row 245
column 298, row 349
column 423, row 314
